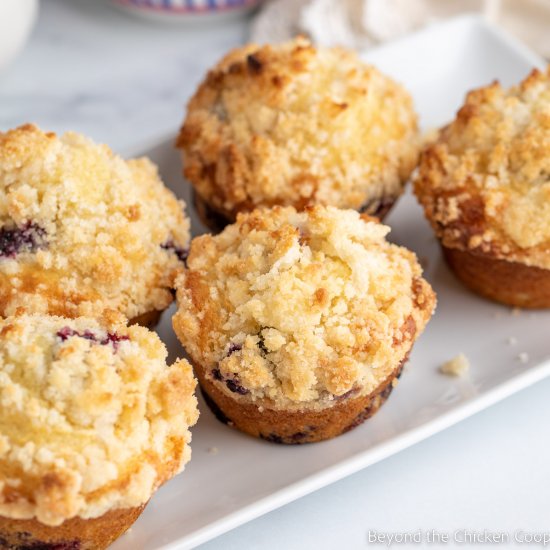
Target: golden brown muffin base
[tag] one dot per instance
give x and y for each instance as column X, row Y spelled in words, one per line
column 295, row 427
column 510, row 283
column 72, row 534
column 216, row 220
column 149, row 319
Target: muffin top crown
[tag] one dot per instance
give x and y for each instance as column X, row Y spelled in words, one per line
column 485, row 182
column 300, row 307
column 91, row 418
column 82, row 230
column 294, row 125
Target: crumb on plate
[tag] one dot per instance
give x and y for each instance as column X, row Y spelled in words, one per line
column 523, row 357
column 458, row 366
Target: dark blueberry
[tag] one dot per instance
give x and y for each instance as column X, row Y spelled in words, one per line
column 261, row 342
column 294, row 439
column 68, row 545
column 111, row 338
column 273, row 438
column 386, row 393
column 88, row 335
column 297, row 437
column 115, row 339
column 66, row 332
column 181, row 253
column 231, row 383
column 235, row 387
column 373, row 406
column 218, row 413
column 254, row 64
column 27, row 238
column 233, row 348
column 216, row 374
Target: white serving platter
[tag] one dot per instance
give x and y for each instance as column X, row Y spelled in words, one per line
column 247, row 477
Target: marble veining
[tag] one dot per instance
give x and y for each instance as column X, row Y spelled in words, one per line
column 116, row 78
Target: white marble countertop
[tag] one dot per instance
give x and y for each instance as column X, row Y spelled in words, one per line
column 118, row 79
column 123, row 81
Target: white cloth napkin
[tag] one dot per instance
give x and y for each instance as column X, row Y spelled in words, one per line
column 363, row 23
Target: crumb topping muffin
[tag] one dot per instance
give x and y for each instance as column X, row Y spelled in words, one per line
column 82, row 230
column 91, row 418
column 294, row 125
column 299, row 309
column 485, row 182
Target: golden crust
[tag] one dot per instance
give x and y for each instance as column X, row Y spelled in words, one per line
column 294, row 427
column 511, row 283
column 98, row 232
column 91, row 418
column 294, row 125
column 485, row 182
column 75, row 533
column 297, row 308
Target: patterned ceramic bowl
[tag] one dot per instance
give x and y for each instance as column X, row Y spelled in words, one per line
column 186, row 10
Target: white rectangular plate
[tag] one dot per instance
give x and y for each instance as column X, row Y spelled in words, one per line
column 248, row 477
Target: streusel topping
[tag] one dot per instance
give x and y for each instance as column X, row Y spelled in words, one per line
column 295, row 125
column 91, row 418
column 485, row 182
column 82, row 230
column 300, row 308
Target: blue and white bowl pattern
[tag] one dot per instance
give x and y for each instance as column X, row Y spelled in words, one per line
column 186, row 7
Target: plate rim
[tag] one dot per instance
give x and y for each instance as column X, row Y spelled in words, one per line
column 468, row 20
column 363, row 459
column 382, row 450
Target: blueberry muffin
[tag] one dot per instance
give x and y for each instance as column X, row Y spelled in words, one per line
column 92, row 422
column 298, row 323
column 290, row 124
column 485, row 188
column 83, row 231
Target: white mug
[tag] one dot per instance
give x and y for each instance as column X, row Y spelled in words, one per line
column 16, row 20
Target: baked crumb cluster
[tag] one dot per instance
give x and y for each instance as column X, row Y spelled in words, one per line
column 485, row 182
column 82, row 230
column 457, row 366
column 300, row 308
column 91, row 418
column 295, row 125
